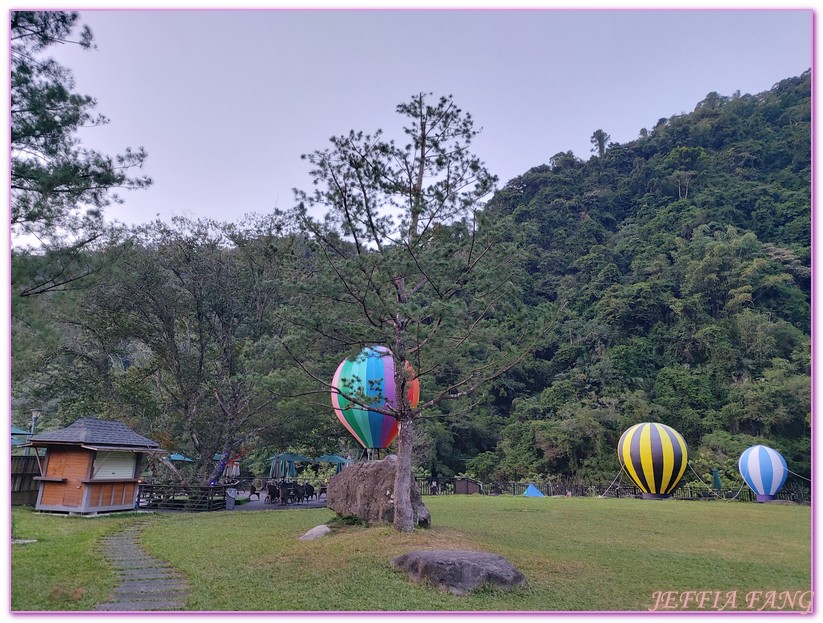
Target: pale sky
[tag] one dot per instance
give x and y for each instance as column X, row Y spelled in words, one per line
column 226, row 101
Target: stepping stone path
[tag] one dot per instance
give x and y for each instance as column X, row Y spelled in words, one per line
column 145, row 582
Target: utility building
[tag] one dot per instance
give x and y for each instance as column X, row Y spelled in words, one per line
column 90, row 466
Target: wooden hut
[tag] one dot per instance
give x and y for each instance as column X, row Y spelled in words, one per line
column 467, row 486
column 90, row 466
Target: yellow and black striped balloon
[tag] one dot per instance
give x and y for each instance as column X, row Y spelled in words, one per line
column 654, row 456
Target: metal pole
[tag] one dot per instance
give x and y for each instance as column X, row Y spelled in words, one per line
column 35, row 415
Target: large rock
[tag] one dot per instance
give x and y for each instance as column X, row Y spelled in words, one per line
column 460, row 572
column 366, row 490
column 315, row 533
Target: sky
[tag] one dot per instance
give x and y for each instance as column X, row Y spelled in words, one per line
column 226, row 101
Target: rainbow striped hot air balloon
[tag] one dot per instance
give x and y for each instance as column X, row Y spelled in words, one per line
column 764, row 470
column 370, row 379
column 654, row 456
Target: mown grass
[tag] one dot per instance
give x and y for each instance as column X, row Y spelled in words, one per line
column 64, row 569
column 578, row 554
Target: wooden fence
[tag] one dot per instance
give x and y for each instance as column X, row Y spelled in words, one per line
column 195, row 499
column 182, row 497
column 799, row 494
column 24, row 487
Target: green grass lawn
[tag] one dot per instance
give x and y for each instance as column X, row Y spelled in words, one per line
column 578, row 554
column 63, row 570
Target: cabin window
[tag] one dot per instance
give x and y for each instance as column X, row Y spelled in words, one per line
column 113, row 465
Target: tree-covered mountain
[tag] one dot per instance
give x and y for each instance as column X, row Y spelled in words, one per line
column 676, row 268
column 683, row 260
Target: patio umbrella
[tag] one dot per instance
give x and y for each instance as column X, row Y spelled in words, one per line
column 283, row 464
column 333, row 458
column 281, row 470
column 716, row 484
column 290, row 456
column 232, row 469
column 179, row 457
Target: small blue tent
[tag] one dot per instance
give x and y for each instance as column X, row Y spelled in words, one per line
column 533, row 492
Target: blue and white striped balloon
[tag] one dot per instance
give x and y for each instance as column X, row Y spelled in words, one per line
column 764, row 470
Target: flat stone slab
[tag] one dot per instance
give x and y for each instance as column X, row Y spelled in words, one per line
column 315, row 533
column 132, row 559
column 126, row 554
column 147, row 574
column 150, row 586
column 120, row 551
column 166, row 595
column 132, row 566
column 460, row 572
column 140, row 606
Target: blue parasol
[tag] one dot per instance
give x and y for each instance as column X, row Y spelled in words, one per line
column 333, row 458
column 179, row 457
column 716, row 484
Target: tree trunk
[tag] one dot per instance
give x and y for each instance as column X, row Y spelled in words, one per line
column 417, row 187
column 403, row 512
column 167, row 463
column 218, row 470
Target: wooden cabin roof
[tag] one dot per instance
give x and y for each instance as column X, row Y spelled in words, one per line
column 96, row 432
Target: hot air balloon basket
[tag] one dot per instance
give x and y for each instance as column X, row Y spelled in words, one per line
column 654, row 496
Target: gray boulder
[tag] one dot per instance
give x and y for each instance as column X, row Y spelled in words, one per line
column 315, row 533
column 460, row 572
column 366, row 490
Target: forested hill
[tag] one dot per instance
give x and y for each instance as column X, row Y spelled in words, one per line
column 683, row 259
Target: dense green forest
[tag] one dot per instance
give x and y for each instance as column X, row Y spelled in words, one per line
column 667, row 279
column 684, row 258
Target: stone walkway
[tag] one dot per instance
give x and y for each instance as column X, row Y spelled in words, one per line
column 145, row 582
